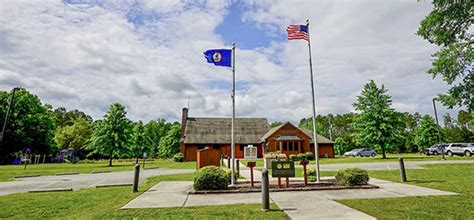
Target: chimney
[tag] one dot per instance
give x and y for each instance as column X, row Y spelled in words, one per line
column 184, row 118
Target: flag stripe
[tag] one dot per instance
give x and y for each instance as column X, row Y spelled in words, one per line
column 297, row 32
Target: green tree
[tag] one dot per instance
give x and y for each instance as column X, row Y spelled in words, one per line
column 156, row 129
column 466, row 119
column 426, row 134
column 63, row 117
column 341, row 146
column 73, row 136
column 30, row 125
column 112, row 136
column 449, row 26
column 276, row 123
column 377, row 124
column 169, row 144
column 141, row 141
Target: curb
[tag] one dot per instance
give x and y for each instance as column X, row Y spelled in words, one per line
column 65, row 174
column 254, row 190
column 113, row 185
column 50, row 190
column 104, row 171
column 26, row 176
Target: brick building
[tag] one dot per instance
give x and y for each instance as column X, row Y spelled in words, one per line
column 198, row 133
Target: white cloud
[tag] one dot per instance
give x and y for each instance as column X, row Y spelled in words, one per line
column 148, row 56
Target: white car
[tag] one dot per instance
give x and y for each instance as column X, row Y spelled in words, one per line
column 466, row 149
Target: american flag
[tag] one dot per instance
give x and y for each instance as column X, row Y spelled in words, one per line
column 296, row 32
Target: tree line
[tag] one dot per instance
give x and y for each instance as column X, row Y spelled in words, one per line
column 38, row 127
column 375, row 124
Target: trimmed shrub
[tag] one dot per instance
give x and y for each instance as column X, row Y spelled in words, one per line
column 178, row 157
column 309, row 155
column 228, row 173
column 301, row 156
column 311, row 174
column 293, row 157
column 211, row 178
column 352, row 177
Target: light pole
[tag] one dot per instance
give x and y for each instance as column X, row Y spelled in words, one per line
column 10, row 106
column 437, row 124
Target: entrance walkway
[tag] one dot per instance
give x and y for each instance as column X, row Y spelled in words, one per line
column 298, row 205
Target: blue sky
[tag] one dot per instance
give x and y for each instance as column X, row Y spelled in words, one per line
column 246, row 34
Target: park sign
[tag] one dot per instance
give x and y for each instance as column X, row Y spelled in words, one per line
column 283, row 168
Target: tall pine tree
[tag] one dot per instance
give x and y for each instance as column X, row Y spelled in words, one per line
column 377, row 125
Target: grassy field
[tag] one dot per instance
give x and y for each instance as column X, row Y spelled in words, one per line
column 7, row 172
column 105, row 203
column 450, row 177
column 378, row 158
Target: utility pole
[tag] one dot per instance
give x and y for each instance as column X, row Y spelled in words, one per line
column 10, row 106
column 437, row 124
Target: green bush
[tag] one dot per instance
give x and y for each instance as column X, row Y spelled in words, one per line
column 309, row 155
column 352, row 177
column 179, row 157
column 293, row 157
column 301, row 156
column 211, row 178
column 228, row 173
column 311, row 174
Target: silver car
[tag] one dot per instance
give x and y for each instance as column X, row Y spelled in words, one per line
column 466, row 149
column 365, row 152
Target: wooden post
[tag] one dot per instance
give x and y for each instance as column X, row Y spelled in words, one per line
column 251, row 176
column 403, row 176
column 288, row 182
column 279, row 182
column 305, row 175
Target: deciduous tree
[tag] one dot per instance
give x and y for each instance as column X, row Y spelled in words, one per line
column 169, row 144
column 141, row 141
column 377, row 124
column 426, row 134
column 112, row 136
column 449, row 26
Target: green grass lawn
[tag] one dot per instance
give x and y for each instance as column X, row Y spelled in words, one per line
column 7, row 172
column 449, row 177
column 105, row 203
column 378, row 158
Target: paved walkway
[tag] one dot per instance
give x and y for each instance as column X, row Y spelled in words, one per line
column 298, row 205
column 81, row 180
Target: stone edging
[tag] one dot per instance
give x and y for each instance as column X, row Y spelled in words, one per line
column 368, row 186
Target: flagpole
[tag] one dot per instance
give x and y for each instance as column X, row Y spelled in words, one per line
column 315, row 140
column 233, row 117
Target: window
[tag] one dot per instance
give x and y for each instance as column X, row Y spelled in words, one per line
column 292, row 146
column 285, row 146
column 278, row 146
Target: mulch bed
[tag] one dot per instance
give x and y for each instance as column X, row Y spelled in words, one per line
column 294, row 185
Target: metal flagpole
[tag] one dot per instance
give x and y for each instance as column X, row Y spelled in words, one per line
column 233, row 117
column 315, row 140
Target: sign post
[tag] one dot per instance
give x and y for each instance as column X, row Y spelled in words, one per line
column 283, row 169
column 251, row 165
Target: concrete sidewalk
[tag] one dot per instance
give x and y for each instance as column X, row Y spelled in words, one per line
column 298, row 205
column 81, row 180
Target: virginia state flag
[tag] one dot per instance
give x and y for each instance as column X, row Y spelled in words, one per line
column 219, row 57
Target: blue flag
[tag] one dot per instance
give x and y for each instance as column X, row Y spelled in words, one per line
column 219, row 57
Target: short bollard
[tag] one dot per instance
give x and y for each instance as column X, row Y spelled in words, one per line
column 403, row 175
column 265, row 192
column 136, row 178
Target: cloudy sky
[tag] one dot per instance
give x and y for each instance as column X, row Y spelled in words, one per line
column 148, row 55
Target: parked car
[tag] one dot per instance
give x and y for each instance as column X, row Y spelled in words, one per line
column 364, row 152
column 436, row 149
column 465, row 149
